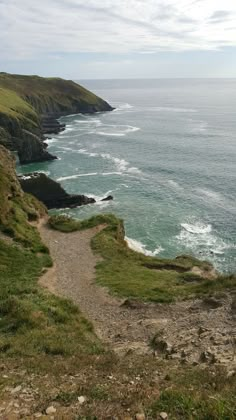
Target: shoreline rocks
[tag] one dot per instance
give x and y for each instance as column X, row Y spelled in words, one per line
column 51, row 193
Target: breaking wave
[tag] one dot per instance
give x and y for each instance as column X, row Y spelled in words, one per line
column 140, row 247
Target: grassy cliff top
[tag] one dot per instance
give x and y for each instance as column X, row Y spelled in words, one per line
column 127, row 273
column 41, row 92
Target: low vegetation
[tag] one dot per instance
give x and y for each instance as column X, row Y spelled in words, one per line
column 130, row 274
column 50, row 354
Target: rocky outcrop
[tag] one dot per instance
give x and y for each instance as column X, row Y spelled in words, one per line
column 51, row 192
column 108, row 198
column 31, row 148
column 50, row 125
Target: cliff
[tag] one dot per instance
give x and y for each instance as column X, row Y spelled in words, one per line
column 29, row 106
column 51, row 192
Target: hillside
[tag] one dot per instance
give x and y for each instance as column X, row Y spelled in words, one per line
column 26, row 100
column 55, row 362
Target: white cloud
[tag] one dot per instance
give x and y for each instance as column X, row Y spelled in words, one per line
column 31, row 29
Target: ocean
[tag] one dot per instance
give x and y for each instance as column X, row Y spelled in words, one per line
column 167, row 154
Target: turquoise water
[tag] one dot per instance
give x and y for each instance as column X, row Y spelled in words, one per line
column 167, row 154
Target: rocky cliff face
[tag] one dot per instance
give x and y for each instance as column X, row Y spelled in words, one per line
column 30, row 106
column 51, row 192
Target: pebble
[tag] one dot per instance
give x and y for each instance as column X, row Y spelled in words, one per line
column 16, row 389
column 140, row 416
column 81, row 399
column 163, row 415
column 51, row 410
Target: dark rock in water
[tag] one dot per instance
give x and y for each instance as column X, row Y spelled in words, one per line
column 51, row 192
column 109, row 197
column 31, row 148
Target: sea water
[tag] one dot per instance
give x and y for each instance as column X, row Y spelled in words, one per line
column 167, row 154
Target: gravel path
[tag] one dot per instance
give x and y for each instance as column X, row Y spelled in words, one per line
column 188, row 328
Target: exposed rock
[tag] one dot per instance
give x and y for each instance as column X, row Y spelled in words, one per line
column 140, row 416
column 109, row 197
column 208, row 357
column 81, row 400
column 233, row 305
column 132, row 304
column 51, row 192
column 212, row 303
column 51, row 410
column 50, row 125
column 163, row 415
column 31, row 148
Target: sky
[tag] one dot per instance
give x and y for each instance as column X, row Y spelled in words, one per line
column 94, row 39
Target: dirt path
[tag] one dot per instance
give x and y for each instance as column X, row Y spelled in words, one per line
column 190, row 331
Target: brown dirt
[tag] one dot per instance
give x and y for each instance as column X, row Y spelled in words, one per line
column 192, row 331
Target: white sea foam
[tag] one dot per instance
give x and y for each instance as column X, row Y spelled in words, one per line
column 99, row 198
column 140, row 247
column 197, row 228
column 116, row 130
column 174, row 184
column 103, row 133
column 201, row 239
column 111, row 173
column 89, row 121
column 213, row 195
column 123, row 107
column 50, row 141
column 65, row 178
column 171, row 109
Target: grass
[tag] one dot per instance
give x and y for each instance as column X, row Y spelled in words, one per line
column 33, row 321
column 45, row 94
column 130, row 274
column 18, row 209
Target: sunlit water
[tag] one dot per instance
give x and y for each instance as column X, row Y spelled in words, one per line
column 167, row 154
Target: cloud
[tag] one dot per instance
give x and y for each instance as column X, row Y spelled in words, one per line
column 31, row 29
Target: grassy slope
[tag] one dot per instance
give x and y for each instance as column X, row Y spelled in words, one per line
column 185, row 392
column 31, row 320
column 46, row 94
column 130, row 274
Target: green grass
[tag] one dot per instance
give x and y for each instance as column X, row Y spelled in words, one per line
column 197, row 394
column 44, row 94
column 18, row 209
column 130, row 274
column 33, row 321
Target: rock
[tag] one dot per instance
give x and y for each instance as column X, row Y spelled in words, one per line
column 212, row 303
column 38, row 415
column 233, row 306
column 161, row 345
column 140, row 416
column 31, row 148
column 51, row 410
column 16, row 389
column 231, row 374
column 51, row 192
column 207, row 357
column 163, row 415
column 50, row 125
column 81, row 400
column 109, row 197
column 131, row 304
